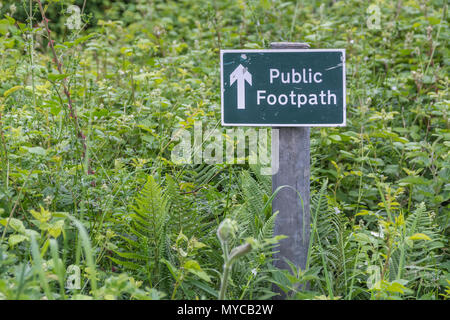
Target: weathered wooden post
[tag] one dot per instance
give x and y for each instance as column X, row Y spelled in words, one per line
column 293, row 219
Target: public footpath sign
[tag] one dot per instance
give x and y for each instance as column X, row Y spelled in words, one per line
column 283, row 87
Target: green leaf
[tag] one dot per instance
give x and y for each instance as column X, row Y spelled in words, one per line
column 42, row 215
column 12, row 90
column 16, row 238
column 413, row 180
column 171, row 268
column 57, row 77
column 56, row 228
column 265, row 4
column 205, row 287
column 14, row 224
column 395, row 287
column 126, row 264
column 193, row 267
column 10, row 19
column 335, row 137
column 131, row 255
column 70, row 44
column 197, row 244
column 434, row 20
column 201, row 274
column 420, row 236
column 4, row 24
column 37, row 150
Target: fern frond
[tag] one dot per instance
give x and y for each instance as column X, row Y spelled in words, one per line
column 147, row 230
column 420, row 257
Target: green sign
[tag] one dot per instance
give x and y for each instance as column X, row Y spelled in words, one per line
column 283, row 87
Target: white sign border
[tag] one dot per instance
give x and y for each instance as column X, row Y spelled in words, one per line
column 344, row 89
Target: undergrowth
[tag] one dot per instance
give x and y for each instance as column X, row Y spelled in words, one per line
column 93, row 207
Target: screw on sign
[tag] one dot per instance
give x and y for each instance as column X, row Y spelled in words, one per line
column 290, row 88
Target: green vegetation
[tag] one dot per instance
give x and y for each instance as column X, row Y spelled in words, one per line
column 92, row 207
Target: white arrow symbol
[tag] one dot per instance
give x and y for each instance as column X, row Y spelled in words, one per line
column 240, row 74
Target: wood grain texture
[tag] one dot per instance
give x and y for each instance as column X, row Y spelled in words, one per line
column 289, row 45
column 293, row 219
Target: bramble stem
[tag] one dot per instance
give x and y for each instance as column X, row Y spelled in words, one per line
column 72, row 111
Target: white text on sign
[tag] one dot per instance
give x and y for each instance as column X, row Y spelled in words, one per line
column 303, row 76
